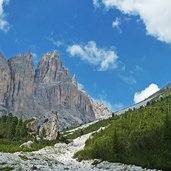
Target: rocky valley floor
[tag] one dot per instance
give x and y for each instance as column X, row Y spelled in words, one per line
column 58, row 158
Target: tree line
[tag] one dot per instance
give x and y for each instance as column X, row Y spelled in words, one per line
column 12, row 127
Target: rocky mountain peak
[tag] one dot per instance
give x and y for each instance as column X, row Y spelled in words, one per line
column 50, row 69
column 22, row 54
column 74, row 80
column 55, row 54
column 101, row 111
column 29, row 56
column 37, row 94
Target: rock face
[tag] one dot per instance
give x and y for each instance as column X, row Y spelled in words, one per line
column 4, row 79
column 50, row 128
column 100, row 110
column 37, row 94
column 32, row 126
column 21, row 82
column 74, row 80
column 51, row 70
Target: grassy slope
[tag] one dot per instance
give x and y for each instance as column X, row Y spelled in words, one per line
column 82, row 131
column 141, row 137
column 11, row 146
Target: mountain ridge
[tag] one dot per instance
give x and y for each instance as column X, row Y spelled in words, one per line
column 38, row 93
column 163, row 92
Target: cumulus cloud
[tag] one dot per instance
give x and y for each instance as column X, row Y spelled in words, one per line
column 103, row 58
column 154, row 14
column 142, row 95
column 4, row 25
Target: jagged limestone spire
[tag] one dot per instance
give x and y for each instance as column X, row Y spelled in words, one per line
column 29, row 53
column 74, row 80
column 55, row 54
column 22, row 54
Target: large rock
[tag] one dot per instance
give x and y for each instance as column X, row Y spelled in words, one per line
column 49, row 129
column 32, row 126
column 27, row 144
column 48, row 89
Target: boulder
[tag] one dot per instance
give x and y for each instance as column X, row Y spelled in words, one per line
column 27, row 144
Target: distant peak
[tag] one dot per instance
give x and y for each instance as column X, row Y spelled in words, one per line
column 74, row 80
column 51, row 54
column 29, row 53
column 1, row 55
column 55, row 54
column 22, row 54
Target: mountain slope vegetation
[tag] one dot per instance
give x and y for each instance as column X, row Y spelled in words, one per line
column 140, row 136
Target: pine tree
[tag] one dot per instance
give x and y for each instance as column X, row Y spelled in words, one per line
column 167, row 127
column 115, row 145
column 19, row 127
column 10, row 126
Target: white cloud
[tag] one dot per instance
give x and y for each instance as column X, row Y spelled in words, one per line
column 142, row 95
column 101, row 57
column 56, row 43
column 96, row 3
column 4, row 25
column 128, row 79
column 116, row 24
column 155, row 14
column 138, row 68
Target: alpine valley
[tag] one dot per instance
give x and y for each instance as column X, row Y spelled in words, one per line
column 48, row 123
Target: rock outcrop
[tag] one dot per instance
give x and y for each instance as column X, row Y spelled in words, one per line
column 27, row 144
column 49, row 128
column 32, row 126
column 74, row 80
column 51, row 70
column 100, row 110
column 37, row 94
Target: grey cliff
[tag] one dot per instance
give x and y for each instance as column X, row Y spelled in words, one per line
column 42, row 93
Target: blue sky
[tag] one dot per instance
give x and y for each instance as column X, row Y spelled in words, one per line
column 119, row 50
